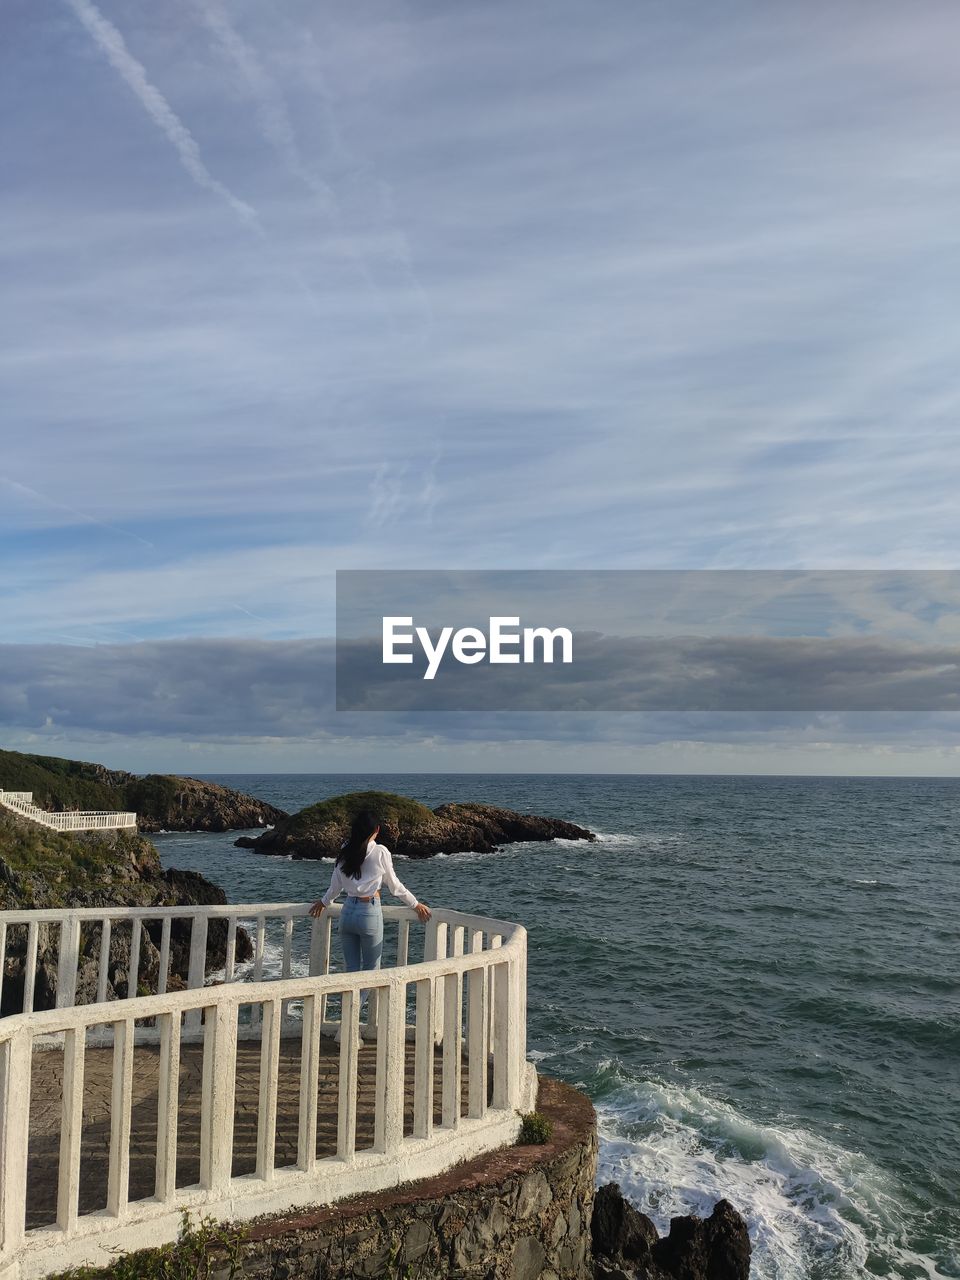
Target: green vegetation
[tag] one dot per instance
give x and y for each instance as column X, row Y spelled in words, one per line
column 535, row 1129
column 76, row 784
column 396, row 812
column 42, row 867
column 62, row 784
column 198, row 1253
column 160, row 800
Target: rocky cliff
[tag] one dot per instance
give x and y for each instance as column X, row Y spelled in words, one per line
column 162, row 802
column 408, row 828
column 626, row 1245
column 50, row 869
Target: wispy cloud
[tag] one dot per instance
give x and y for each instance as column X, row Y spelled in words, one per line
column 691, row 302
column 132, row 71
column 271, row 109
column 83, row 516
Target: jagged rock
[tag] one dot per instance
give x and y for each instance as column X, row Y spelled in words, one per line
column 626, row 1245
column 408, row 828
column 618, row 1229
column 162, row 802
column 714, row 1248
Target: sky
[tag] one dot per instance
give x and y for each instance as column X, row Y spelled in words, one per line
column 301, row 287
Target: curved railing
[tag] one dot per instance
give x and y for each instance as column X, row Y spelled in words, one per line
column 21, row 802
column 446, row 1080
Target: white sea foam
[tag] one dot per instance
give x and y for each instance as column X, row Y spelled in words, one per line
column 643, row 840
column 814, row 1210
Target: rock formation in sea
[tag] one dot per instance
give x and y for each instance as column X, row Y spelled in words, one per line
column 41, row 869
column 408, row 828
column 627, row 1246
column 162, row 802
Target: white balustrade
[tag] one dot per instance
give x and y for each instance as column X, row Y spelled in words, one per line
column 486, row 1040
column 21, row 802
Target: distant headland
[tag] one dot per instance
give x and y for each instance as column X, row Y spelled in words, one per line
column 161, row 801
column 408, row 827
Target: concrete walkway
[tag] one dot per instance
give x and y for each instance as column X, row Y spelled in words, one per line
column 46, row 1110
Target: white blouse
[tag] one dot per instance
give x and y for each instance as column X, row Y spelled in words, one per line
column 376, row 869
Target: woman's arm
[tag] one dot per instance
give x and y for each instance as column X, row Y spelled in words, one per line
column 396, row 886
column 336, row 887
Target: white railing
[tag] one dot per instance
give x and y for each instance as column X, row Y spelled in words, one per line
column 21, row 802
column 467, row 995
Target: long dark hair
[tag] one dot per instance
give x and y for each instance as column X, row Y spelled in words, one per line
column 351, row 856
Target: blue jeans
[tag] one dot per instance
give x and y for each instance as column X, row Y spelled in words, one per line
column 361, row 937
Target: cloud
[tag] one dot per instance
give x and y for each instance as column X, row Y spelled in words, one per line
column 272, row 115
column 283, row 691
column 114, row 48
column 689, row 299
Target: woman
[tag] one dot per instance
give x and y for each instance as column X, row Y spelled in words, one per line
column 361, row 868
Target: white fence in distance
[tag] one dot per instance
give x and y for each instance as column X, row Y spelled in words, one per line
column 21, row 802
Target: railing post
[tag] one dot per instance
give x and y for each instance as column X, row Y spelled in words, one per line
column 259, row 947
column 197, row 969
column 347, row 1082
column 168, row 1093
column 391, row 1062
column 30, row 972
column 403, row 943
column 133, row 972
column 231, row 957
column 164, row 974
column 217, row 1099
column 423, row 1060
column 496, row 942
column 309, row 1084
column 320, row 931
column 435, row 948
column 521, row 966
column 287, row 947
column 103, row 970
column 118, row 1179
column 71, row 1125
column 477, row 1041
column 506, row 1075
column 67, row 962
column 452, row 1050
column 269, row 1079
column 14, row 1139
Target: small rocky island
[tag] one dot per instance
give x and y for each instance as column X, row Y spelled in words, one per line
column 161, row 801
column 408, row 827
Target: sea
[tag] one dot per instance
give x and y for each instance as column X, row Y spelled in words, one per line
column 756, row 980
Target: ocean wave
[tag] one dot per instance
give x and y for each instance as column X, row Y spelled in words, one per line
column 934, row 1032
column 815, row 1210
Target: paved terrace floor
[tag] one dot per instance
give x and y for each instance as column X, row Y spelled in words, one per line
column 46, row 1110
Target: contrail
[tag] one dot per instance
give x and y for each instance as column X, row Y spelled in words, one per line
column 272, row 114
column 248, row 613
column 114, row 48
column 277, row 129
column 81, row 515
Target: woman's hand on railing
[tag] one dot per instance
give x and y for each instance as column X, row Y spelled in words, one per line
column 423, row 912
column 317, row 909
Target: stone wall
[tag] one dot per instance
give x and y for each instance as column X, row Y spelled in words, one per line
column 522, row 1213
